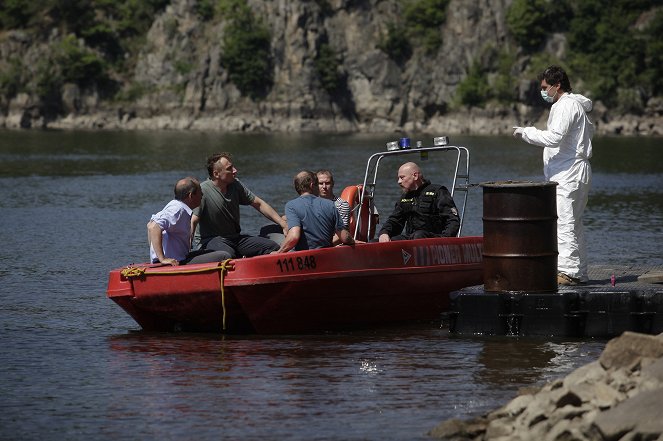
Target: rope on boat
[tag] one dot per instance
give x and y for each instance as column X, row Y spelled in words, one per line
column 132, row 271
column 223, row 267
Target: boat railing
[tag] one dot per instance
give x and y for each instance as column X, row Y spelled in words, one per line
column 460, row 182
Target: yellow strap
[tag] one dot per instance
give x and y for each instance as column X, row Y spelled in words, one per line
column 132, row 271
column 223, row 267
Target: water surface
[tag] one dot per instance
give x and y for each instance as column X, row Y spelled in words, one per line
column 75, row 366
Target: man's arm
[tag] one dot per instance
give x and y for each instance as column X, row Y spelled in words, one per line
column 290, row 240
column 561, row 116
column 194, row 223
column 266, row 210
column 393, row 226
column 154, row 232
column 448, row 213
column 344, row 237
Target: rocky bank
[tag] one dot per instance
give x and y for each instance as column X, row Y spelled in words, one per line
column 617, row 397
column 183, row 85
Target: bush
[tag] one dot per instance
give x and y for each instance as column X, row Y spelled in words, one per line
column 48, row 82
column 609, row 53
column 528, row 21
column 504, row 87
column 246, row 50
column 78, row 64
column 474, row 89
column 205, row 9
column 16, row 14
column 423, row 19
column 10, row 79
column 396, row 44
column 327, row 67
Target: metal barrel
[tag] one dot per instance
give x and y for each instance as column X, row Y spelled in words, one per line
column 520, row 236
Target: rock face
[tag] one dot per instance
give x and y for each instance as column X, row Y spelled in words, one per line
column 184, row 85
column 617, row 397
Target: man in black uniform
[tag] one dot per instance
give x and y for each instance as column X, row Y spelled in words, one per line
column 425, row 209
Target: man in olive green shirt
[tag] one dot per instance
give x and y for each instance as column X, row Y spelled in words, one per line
column 217, row 220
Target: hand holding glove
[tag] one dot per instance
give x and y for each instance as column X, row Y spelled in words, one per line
column 518, row 132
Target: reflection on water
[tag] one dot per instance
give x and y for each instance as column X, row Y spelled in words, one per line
column 75, row 205
column 519, row 360
column 390, row 384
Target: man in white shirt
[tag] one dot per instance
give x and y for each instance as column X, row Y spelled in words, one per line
column 169, row 231
column 567, row 148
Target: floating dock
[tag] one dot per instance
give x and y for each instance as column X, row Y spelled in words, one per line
column 616, row 299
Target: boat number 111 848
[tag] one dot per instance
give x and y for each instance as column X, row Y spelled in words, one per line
column 299, row 264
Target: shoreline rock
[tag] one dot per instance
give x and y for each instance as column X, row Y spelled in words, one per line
column 470, row 122
column 617, row 397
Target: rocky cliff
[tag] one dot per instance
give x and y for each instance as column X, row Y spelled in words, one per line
column 183, row 84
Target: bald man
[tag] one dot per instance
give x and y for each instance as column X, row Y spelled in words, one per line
column 424, row 210
column 169, row 231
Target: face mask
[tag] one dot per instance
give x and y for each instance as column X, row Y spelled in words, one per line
column 547, row 98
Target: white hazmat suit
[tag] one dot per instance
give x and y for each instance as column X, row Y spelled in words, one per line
column 567, row 143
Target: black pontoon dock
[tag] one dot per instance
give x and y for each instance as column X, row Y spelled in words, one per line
column 594, row 309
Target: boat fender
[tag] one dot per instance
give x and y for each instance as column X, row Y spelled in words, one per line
column 351, row 195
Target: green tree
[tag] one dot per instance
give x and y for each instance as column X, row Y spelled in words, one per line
column 610, row 54
column 11, row 79
column 529, row 22
column 77, row 64
column 474, row 89
column 396, row 44
column 423, row 19
column 16, row 14
column 246, row 50
column 327, row 66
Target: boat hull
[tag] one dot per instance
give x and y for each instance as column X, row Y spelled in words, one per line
column 328, row 289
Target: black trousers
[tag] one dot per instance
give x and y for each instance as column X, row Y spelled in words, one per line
column 241, row 245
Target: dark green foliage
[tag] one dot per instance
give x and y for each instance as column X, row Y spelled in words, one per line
column 205, row 9
column 504, row 87
column 614, row 48
column 327, row 65
column 529, row 22
column 396, row 44
column 78, row 64
column 10, row 79
column 611, row 55
column 489, row 78
column 474, row 89
column 653, row 70
column 246, row 50
column 17, row 13
column 107, row 25
column 423, row 19
column 48, row 81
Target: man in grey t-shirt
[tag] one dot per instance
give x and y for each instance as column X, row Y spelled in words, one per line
column 217, row 219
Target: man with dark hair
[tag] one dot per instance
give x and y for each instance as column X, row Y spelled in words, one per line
column 217, row 221
column 312, row 221
column 424, row 210
column 567, row 147
column 169, row 231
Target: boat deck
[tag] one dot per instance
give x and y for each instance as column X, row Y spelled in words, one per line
column 631, row 278
column 593, row 309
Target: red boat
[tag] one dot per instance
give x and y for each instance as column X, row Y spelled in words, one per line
column 309, row 291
